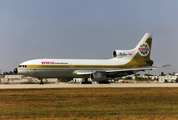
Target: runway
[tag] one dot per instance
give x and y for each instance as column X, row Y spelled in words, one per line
column 118, row 85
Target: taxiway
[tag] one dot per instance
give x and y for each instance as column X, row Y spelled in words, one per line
column 32, row 86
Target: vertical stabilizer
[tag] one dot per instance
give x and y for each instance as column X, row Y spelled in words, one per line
column 144, row 50
column 144, row 46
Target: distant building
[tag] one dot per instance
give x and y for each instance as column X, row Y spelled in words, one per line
column 14, row 76
column 18, row 79
column 77, row 79
column 166, row 78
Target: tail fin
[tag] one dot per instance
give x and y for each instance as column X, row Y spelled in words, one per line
column 144, row 46
column 144, row 50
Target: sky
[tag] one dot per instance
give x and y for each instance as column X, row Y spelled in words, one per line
column 86, row 29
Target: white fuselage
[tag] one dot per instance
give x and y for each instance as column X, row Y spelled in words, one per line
column 66, row 68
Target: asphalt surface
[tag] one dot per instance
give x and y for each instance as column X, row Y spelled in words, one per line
column 113, row 85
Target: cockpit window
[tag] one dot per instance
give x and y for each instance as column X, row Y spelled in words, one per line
column 24, row 66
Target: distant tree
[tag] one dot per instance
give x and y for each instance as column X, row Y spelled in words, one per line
column 136, row 74
column 138, row 78
column 5, row 73
column 8, row 73
column 173, row 73
column 162, row 74
column 128, row 78
column 148, row 74
column 11, row 73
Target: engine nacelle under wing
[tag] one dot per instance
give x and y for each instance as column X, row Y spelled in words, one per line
column 98, row 77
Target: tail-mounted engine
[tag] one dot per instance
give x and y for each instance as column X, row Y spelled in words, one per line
column 122, row 53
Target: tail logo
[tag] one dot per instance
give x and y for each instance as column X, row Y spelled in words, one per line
column 144, row 49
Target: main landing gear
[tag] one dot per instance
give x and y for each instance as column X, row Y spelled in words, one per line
column 41, row 81
column 104, row 82
column 86, row 81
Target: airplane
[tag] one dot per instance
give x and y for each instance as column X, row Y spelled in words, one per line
column 124, row 62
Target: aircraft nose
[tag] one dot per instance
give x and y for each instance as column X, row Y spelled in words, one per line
column 15, row 70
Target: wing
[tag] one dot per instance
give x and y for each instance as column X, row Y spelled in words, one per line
column 136, row 69
column 83, row 72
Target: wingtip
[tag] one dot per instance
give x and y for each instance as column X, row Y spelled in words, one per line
column 163, row 66
column 166, row 65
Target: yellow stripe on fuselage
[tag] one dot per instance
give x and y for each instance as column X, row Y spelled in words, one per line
column 75, row 66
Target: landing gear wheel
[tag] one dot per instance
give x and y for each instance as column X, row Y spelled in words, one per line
column 41, row 83
column 86, row 81
column 104, row 82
